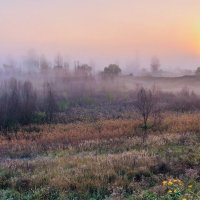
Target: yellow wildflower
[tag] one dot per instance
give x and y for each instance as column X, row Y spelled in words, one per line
column 177, row 181
column 184, row 198
column 170, row 191
column 164, row 182
column 170, row 183
column 189, row 186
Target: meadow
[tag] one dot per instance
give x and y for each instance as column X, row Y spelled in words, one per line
column 104, row 159
column 99, row 100
column 75, row 136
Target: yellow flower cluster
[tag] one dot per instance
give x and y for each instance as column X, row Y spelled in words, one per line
column 172, row 191
column 171, row 182
column 176, row 186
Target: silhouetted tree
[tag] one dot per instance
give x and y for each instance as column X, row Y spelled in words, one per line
column 155, row 65
column 145, row 104
column 83, row 70
column 17, row 104
column 50, row 103
column 112, row 71
column 28, row 103
column 14, row 102
column 10, row 105
column 4, row 109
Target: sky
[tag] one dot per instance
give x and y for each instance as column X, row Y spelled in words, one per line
column 103, row 31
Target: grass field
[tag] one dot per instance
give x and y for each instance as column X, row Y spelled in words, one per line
column 103, row 160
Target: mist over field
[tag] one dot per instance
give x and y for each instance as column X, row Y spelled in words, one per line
column 99, row 100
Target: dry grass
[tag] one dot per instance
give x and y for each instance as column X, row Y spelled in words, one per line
column 100, row 159
column 61, row 136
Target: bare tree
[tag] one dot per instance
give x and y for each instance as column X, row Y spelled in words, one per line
column 17, row 104
column 14, row 102
column 50, row 103
column 28, row 102
column 145, row 104
column 10, row 105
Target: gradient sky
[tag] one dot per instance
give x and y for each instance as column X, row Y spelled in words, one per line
column 104, row 30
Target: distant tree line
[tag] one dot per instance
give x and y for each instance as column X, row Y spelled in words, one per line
column 25, row 102
column 21, row 105
column 59, row 68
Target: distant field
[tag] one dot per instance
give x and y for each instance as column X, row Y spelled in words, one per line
column 103, row 160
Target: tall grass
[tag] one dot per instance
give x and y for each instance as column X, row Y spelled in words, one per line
column 100, row 159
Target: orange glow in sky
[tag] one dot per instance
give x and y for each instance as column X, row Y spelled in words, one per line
column 113, row 28
column 197, row 38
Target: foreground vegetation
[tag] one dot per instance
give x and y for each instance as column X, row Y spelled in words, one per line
column 103, row 160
